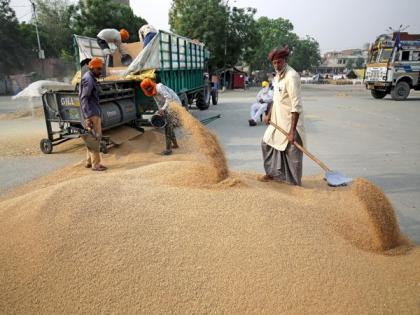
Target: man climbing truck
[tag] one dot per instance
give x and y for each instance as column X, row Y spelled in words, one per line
column 393, row 65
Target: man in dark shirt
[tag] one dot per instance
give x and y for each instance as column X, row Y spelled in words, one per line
column 91, row 112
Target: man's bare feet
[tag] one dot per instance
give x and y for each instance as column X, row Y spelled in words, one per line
column 265, row 178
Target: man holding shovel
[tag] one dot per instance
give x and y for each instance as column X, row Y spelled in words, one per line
column 282, row 159
column 91, row 112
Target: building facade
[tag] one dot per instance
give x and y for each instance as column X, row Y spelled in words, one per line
column 340, row 62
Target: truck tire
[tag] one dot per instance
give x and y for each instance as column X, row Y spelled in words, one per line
column 46, row 146
column 184, row 101
column 378, row 94
column 214, row 96
column 203, row 100
column 401, row 91
column 103, row 147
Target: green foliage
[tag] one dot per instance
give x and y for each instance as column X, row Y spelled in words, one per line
column 247, row 40
column 272, row 33
column 216, row 25
column 13, row 52
column 349, row 64
column 53, row 24
column 359, row 63
column 306, row 55
column 279, row 32
column 58, row 20
column 89, row 17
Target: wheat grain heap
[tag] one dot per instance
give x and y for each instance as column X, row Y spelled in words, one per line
column 181, row 234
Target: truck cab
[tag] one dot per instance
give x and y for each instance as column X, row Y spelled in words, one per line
column 393, row 65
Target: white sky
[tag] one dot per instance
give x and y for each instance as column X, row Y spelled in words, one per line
column 335, row 24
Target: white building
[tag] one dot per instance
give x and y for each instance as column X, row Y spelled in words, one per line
column 337, row 62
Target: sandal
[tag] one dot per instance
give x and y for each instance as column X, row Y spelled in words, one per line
column 88, row 165
column 99, row 168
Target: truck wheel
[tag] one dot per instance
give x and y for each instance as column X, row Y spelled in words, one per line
column 378, row 94
column 184, row 100
column 103, row 147
column 203, row 100
column 46, row 146
column 401, row 91
column 214, row 96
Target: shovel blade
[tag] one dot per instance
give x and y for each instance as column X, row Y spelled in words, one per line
column 336, row 179
column 91, row 142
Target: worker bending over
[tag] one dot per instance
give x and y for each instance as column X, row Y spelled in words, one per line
column 91, row 112
column 146, row 34
column 163, row 96
column 264, row 97
column 108, row 36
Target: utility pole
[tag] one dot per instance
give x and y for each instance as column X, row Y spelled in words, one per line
column 226, row 38
column 41, row 54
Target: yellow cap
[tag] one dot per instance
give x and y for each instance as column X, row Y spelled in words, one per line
column 265, row 84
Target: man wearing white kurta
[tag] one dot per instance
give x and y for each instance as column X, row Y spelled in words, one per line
column 264, row 97
column 282, row 159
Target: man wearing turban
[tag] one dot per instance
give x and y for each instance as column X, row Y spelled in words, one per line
column 282, row 159
column 91, row 112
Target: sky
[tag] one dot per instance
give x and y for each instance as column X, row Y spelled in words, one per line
column 335, row 24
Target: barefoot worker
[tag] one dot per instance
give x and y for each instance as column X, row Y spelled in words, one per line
column 91, row 111
column 282, row 159
column 163, row 96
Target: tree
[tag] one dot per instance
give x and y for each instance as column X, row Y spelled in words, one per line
column 54, row 27
column 91, row 16
column 216, row 25
column 349, row 64
column 12, row 49
column 305, row 55
column 272, row 33
column 359, row 63
column 242, row 39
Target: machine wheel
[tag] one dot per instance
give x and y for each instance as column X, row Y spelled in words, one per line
column 184, row 100
column 203, row 99
column 46, row 146
column 378, row 94
column 401, row 91
column 214, row 96
column 103, row 147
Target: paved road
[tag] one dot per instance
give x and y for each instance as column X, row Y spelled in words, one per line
column 350, row 131
column 345, row 127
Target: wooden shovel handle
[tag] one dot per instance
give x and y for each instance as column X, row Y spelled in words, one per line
column 301, row 148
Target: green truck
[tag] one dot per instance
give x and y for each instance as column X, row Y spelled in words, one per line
column 178, row 62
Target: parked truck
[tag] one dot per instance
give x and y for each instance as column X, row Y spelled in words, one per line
column 393, row 65
column 178, row 62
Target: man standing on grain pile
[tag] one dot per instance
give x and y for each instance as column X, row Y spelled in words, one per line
column 163, row 96
column 282, row 159
column 91, row 112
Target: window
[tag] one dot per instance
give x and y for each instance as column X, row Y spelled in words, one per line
column 415, row 56
column 405, row 56
column 385, row 55
column 374, row 56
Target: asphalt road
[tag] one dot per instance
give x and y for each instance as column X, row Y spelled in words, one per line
column 345, row 127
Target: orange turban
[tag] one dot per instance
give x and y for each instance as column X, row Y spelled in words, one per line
column 149, row 87
column 96, row 63
column 124, row 34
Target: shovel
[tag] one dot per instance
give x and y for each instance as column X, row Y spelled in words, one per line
column 90, row 139
column 333, row 178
